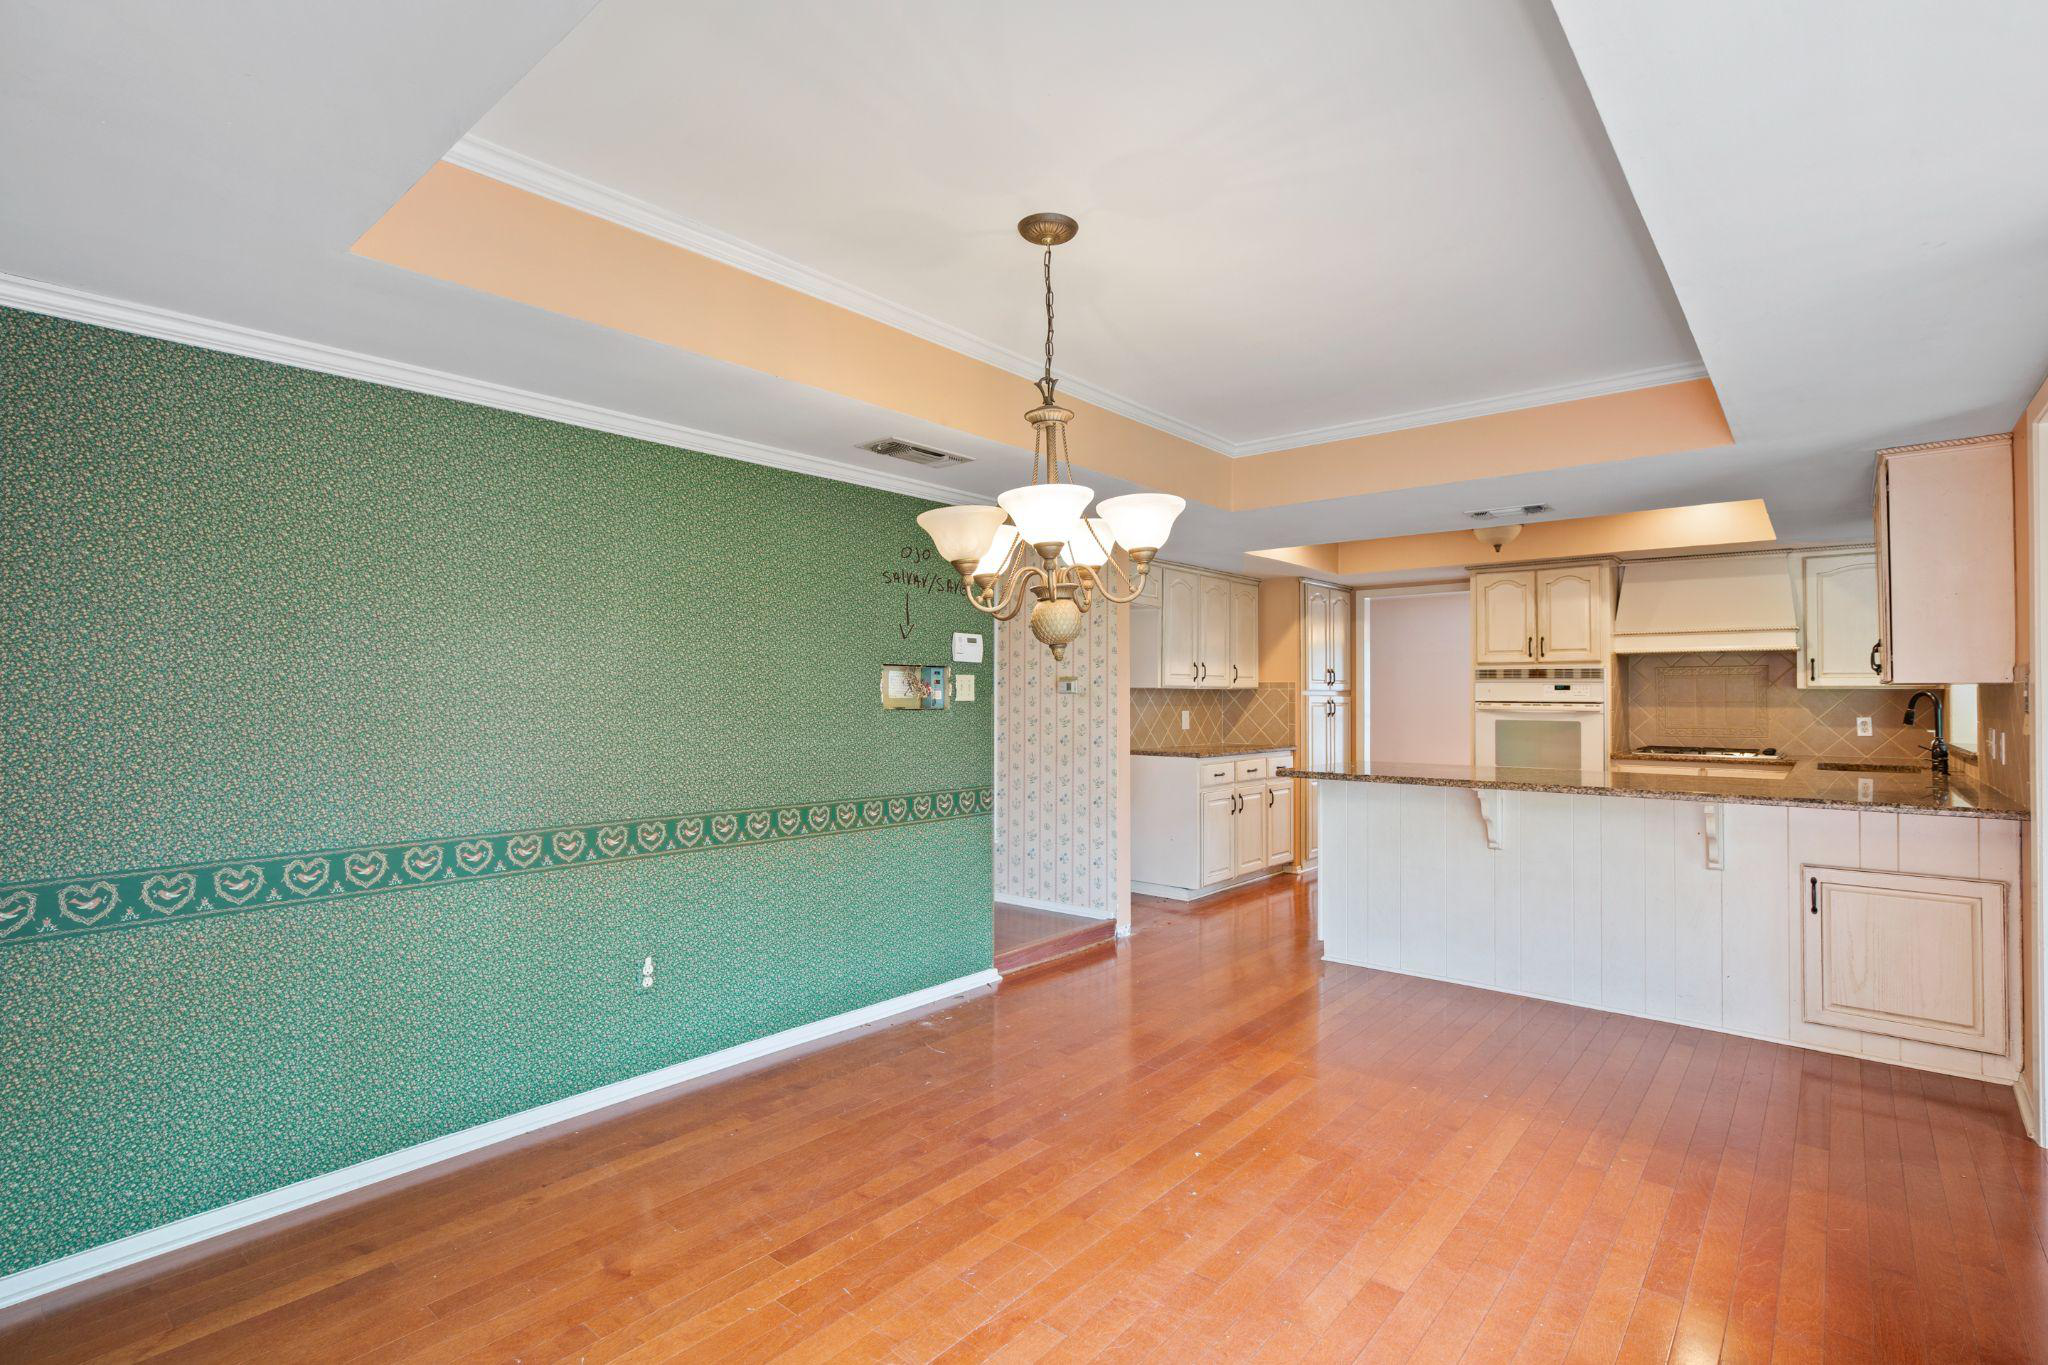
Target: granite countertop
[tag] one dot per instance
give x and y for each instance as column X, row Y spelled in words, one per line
column 1805, row 785
column 1214, row 751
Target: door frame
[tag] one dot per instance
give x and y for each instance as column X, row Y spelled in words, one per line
column 2034, row 1026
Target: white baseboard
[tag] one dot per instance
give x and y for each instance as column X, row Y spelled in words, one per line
column 141, row 1246
column 1186, row 893
column 1057, row 907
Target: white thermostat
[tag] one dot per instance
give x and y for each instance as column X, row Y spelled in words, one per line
column 966, row 647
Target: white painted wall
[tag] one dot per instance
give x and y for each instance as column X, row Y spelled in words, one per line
column 1062, row 772
column 1419, row 678
column 1608, row 901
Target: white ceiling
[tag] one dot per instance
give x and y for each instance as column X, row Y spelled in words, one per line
column 1294, row 217
column 1847, row 195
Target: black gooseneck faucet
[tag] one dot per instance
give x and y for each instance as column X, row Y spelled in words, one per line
column 1937, row 751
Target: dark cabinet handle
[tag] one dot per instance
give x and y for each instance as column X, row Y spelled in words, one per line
column 1874, row 665
column 1269, row 798
column 1813, row 889
column 1809, row 668
column 1542, row 645
column 1233, row 672
column 1529, row 647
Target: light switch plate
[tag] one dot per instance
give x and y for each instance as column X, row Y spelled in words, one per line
column 966, row 648
column 1072, row 687
column 963, row 687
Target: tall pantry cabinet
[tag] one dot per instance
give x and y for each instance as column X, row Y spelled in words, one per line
column 1306, row 639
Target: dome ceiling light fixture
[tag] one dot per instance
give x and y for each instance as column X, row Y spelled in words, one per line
column 994, row 547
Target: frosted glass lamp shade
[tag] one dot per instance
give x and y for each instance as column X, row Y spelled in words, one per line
column 999, row 551
column 961, row 533
column 1091, row 544
column 1141, row 521
column 1047, row 512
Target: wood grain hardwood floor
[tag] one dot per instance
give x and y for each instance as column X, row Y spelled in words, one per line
column 1207, row 1146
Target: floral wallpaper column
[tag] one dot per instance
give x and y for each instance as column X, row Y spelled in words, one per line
column 1057, row 770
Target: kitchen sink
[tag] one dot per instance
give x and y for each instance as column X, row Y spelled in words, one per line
column 1871, row 767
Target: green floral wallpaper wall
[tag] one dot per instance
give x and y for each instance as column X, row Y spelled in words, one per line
column 358, row 745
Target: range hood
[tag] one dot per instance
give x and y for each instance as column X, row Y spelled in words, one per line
column 1716, row 603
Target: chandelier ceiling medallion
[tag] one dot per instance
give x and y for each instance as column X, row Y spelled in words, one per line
column 1039, row 538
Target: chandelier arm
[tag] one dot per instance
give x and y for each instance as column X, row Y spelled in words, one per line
column 1137, row 588
column 1011, row 598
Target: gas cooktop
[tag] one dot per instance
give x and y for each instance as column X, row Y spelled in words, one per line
column 1703, row 751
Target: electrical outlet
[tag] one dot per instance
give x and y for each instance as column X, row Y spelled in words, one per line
column 1183, row 720
column 647, row 974
column 1863, row 727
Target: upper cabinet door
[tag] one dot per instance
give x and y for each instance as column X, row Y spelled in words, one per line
column 1339, row 635
column 1945, row 562
column 1569, row 606
column 1244, row 635
column 1212, row 632
column 1315, row 635
column 1180, row 650
column 1504, row 618
column 1838, row 645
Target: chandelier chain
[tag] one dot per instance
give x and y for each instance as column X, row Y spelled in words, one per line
column 1048, row 320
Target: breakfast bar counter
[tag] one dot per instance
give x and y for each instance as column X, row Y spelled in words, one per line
column 1804, row 783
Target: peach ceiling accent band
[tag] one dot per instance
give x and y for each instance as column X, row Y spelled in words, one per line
column 1701, row 526
column 469, row 229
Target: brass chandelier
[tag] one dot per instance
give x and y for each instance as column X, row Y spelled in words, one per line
column 1039, row 538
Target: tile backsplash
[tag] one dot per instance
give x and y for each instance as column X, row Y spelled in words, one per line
column 1753, row 700
column 1256, row 717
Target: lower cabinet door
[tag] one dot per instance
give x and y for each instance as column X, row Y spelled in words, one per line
column 1218, row 842
column 1279, row 822
column 1251, row 829
column 1908, row 956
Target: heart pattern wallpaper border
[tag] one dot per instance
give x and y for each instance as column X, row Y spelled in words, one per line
column 39, row 911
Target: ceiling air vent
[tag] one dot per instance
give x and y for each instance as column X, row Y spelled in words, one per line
column 912, row 452
column 1526, row 510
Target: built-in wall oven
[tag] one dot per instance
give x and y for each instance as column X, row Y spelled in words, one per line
column 1540, row 718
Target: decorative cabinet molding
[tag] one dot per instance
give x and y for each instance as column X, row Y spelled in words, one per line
column 1945, row 570
column 1200, row 629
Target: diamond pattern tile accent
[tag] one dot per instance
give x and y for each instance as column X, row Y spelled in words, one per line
column 1755, row 700
column 1255, row 717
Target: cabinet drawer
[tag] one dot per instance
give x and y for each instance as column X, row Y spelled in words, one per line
column 1219, row 774
column 1253, row 769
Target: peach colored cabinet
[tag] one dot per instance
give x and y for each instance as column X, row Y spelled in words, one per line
column 1573, row 618
column 1945, row 577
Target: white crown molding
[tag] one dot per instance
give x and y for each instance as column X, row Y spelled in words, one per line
column 100, row 310
column 574, row 191
column 1483, row 407
column 142, row 1246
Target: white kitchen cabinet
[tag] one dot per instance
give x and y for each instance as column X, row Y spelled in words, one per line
column 1326, row 637
column 1326, row 733
column 1945, row 564
column 1212, row 631
column 1244, row 634
column 1279, row 822
column 1180, row 607
column 1560, row 615
column 1907, row 956
column 1198, row 629
column 1199, row 825
column 1218, row 830
column 1572, row 617
column 1838, row 637
column 1504, row 617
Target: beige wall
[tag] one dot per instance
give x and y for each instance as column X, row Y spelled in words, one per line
column 1418, row 665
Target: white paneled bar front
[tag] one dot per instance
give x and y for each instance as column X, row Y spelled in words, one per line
column 1683, row 911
